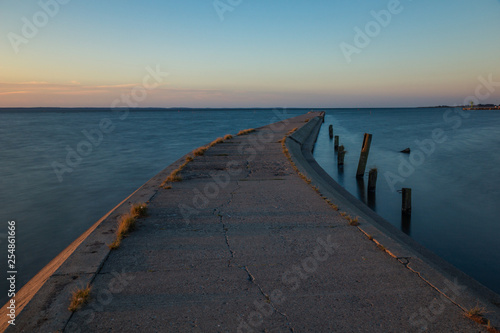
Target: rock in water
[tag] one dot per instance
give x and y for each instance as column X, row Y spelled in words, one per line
column 406, row 151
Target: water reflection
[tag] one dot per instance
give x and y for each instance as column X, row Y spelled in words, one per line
column 361, row 189
column 372, row 200
column 406, row 223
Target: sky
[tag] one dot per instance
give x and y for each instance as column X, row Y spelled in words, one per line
column 242, row 53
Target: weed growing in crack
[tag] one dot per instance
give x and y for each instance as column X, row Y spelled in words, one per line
column 127, row 223
column 79, row 298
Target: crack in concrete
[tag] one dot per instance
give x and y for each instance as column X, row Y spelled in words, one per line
column 404, row 260
column 434, row 287
column 226, row 229
column 92, row 279
column 252, row 279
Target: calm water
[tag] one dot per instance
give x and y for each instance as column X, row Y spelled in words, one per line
column 455, row 190
column 50, row 214
column 455, row 182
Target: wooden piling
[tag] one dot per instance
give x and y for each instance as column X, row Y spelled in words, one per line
column 330, row 131
column 372, row 180
column 336, row 144
column 340, row 156
column 363, row 158
column 406, row 204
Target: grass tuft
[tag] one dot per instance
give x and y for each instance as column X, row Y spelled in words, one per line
column 127, row 223
column 79, row 298
column 228, row 137
column 215, row 142
column 477, row 314
column 353, row 221
column 245, row 132
column 200, row 151
column 116, row 244
column 139, row 210
column 175, row 175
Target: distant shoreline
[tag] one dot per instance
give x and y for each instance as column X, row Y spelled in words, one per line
column 140, row 109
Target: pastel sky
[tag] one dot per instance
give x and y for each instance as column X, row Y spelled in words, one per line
column 248, row 53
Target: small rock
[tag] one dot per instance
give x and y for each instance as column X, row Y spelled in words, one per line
column 406, row 151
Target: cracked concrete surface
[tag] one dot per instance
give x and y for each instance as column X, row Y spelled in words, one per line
column 256, row 249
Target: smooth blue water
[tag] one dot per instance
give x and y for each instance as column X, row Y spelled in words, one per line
column 51, row 214
column 455, row 186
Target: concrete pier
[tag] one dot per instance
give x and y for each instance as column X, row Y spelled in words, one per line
column 256, row 237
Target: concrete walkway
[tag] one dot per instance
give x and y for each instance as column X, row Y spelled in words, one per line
column 243, row 244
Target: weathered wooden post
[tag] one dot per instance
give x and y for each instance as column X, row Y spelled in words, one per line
column 406, row 205
column 372, row 180
column 336, row 144
column 363, row 158
column 330, row 131
column 340, row 156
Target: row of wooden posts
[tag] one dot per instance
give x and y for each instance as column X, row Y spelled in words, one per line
column 363, row 160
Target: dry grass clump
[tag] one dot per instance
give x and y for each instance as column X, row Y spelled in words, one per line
column 175, row 175
column 353, row 221
column 477, row 314
column 334, row 206
column 216, row 141
column 79, row 298
column 200, row 151
column 247, row 131
column 139, row 210
column 228, row 137
column 127, row 223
